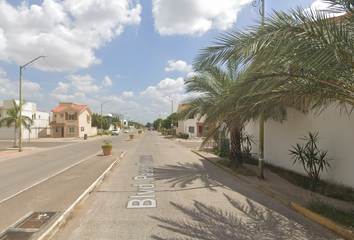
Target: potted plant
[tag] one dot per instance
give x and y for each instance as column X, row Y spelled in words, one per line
column 107, row 147
column 131, row 136
column 139, row 131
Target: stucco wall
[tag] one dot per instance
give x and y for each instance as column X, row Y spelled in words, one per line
column 337, row 136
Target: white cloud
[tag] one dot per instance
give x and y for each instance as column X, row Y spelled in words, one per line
column 127, row 94
column 178, row 66
column 195, row 17
column 67, row 31
column 31, row 91
column 320, row 5
column 84, row 83
column 107, row 81
column 167, row 85
column 62, row 88
column 191, row 74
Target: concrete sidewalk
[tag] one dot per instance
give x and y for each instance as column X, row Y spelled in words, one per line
column 291, row 195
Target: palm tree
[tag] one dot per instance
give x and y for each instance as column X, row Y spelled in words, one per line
column 212, row 83
column 300, row 59
column 14, row 119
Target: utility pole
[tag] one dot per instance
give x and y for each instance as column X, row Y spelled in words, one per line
column 20, row 124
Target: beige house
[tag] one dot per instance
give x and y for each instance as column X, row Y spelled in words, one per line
column 71, row 120
column 191, row 126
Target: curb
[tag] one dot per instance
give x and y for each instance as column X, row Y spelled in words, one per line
column 298, row 207
column 61, row 221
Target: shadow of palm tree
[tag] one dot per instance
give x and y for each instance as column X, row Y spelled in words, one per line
column 182, row 175
column 255, row 222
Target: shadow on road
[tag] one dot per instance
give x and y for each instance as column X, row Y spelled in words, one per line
column 185, row 174
column 244, row 221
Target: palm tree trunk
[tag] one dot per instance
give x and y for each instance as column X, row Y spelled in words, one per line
column 236, row 158
column 15, row 139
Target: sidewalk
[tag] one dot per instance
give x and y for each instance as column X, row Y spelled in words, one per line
column 293, row 196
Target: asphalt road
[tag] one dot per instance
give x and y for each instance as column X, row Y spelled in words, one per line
column 161, row 190
column 22, row 171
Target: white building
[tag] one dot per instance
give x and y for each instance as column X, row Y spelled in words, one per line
column 191, row 126
column 336, row 131
column 41, row 121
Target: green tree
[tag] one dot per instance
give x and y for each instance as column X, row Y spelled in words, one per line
column 96, row 121
column 14, row 119
column 211, row 83
column 300, row 59
column 166, row 123
column 156, row 123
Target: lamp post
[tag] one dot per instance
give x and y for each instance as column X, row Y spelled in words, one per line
column 102, row 116
column 20, row 124
column 169, row 99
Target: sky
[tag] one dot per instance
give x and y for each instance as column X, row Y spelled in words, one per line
column 130, row 53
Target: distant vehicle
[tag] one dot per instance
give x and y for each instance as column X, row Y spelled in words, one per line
column 115, row 132
column 126, row 130
column 149, row 129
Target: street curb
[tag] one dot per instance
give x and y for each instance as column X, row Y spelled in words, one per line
column 61, row 221
column 298, row 207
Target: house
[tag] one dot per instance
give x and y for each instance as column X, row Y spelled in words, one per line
column 40, row 128
column 110, row 120
column 71, row 120
column 191, row 126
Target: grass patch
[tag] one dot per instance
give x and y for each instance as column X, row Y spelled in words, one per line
column 345, row 218
column 328, row 189
column 243, row 170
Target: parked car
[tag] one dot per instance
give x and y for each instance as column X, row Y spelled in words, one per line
column 126, row 130
column 115, row 132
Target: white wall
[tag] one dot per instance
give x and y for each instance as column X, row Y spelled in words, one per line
column 337, row 136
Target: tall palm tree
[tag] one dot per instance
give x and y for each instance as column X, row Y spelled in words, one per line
column 300, row 59
column 14, row 119
column 212, row 83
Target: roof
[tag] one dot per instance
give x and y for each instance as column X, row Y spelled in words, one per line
column 57, row 124
column 76, row 107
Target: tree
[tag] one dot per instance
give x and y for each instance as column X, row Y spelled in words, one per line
column 166, row 123
column 300, row 59
column 156, row 123
column 14, row 119
column 212, row 82
column 96, row 121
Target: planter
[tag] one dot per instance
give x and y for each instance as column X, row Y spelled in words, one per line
column 139, row 132
column 131, row 136
column 107, row 151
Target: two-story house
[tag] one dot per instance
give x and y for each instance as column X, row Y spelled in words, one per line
column 71, row 120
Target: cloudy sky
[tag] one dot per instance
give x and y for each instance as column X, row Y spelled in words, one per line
column 128, row 52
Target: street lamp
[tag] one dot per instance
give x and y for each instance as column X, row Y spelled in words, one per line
column 20, row 125
column 169, row 99
column 101, row 115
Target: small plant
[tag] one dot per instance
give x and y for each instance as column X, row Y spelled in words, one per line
column 247, row 140
column 131, row 135
column 312, row 159
column 184, row 135
column 107, row 144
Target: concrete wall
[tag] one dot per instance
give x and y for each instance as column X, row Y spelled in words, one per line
column 337, row 136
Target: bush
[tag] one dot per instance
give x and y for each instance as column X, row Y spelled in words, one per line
column 184, row 135
column 107, row 144
column 312, row 159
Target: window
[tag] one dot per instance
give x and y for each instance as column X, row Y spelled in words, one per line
column 56, row 129
column 82, row 129
column 34, row 116
column 39, row 116
column 71, row 129
column 71, row 117
column 61, row 115
column 191, row 129
column 0, row 114
column 191, row 117
column 88, row 118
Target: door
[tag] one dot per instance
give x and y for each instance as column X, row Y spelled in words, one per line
column 200, row 131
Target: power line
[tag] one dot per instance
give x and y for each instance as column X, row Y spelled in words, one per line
column 69, row 81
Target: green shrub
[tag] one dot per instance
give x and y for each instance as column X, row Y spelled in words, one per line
column 107, row 144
